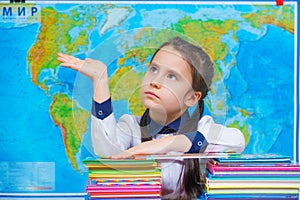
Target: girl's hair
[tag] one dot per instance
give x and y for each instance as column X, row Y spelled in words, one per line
column 202, row 73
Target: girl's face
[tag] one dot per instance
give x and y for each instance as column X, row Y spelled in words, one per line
column 166, row 87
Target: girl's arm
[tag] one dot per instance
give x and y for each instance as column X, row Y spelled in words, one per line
column 221, row 138
column 210, row 137
column 95, row 70
column 177, row 143
column 107, row 137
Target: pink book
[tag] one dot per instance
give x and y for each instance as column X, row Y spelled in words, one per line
column 124, row 188
column 291, row 168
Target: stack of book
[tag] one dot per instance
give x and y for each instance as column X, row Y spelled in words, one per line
column 123, row 179
column 251, row 176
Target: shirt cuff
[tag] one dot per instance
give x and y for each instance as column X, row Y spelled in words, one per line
column 102, row 110
column 199, row 142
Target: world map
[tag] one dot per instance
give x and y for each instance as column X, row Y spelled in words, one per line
column 46, row 108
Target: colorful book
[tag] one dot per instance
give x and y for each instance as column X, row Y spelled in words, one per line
column 271, row 191
column 252, row 183
column 254, row 158
column 125, row 182
column 253, row 196
column 215, row 168
column 119, row 164
column 252, row 176
column 126, row 178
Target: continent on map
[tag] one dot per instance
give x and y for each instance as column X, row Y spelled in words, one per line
column 125, row 85
column 68, row 33
column 72, row 121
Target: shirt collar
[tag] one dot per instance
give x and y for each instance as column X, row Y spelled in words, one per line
column 155, row 127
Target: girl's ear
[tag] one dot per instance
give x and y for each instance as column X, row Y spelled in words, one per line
column 193, row 98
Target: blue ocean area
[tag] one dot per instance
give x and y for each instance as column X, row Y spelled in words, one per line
column 25, row 114
column 64, row 7
column 121, row 107
column 244, row 8
column 262, row 83
column 107, row 53
column 169, row 6
column 67, row 77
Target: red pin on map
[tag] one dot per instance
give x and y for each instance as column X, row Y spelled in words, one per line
column 279, row 2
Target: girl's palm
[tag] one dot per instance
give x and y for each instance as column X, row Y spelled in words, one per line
column 88, row 67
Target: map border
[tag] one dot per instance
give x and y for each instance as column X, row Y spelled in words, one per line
column 296, row 148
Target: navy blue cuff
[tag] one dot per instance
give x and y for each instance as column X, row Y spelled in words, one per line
column 102, row 110
column 199, row 142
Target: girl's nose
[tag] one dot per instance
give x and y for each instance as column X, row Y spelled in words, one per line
column 155, row 82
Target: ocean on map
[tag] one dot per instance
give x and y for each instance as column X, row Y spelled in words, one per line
column 266, row 63
column 25, row 114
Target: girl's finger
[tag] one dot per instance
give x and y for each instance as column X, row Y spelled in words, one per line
column 69, row 65
column 70, row 59
column 123, row 155
column 65, row 56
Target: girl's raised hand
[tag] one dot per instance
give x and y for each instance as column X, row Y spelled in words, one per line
column 70, row 61
column 93, row 69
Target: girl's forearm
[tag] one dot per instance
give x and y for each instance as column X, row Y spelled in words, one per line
column 101, row 89
column 97, row 72
column 179, row 143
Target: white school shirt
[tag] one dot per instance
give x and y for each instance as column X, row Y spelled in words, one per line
column 110, row 137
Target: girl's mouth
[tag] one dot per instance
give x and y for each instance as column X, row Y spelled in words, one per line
column 151, row 94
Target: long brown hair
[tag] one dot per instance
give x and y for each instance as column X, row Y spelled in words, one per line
column 202, row 73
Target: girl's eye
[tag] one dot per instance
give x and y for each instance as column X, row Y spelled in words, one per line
column 153, row 69
column 172, row 76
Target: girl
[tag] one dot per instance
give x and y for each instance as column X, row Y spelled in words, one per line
column 179, row 77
